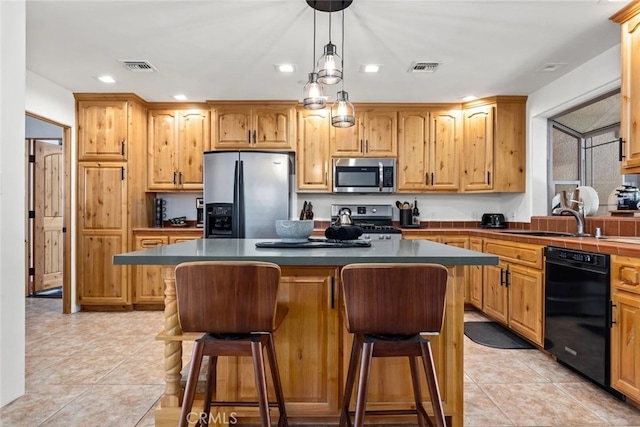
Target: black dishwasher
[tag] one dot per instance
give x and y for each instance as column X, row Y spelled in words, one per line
column 578, row 312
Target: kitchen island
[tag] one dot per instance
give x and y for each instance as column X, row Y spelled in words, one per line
column 312, row 344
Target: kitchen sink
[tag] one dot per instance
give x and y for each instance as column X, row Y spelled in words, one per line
column 542, row 233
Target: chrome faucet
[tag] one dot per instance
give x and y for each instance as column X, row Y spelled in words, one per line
column 578, row 215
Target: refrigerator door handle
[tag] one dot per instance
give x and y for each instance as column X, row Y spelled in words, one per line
column 240, row 199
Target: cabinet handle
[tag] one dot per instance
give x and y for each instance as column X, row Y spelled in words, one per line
column 326, row 178
column 122, row 147
column 488, row 178
column 620, row 150
column 333, row 292
column 432, row 178
column 426, row 178
column 361, row 146
column 180, row 178
column 610, row 314
column 174, row 177
column 501, row 277
column 507, row 273
column 122, row 173
column 366, row 146
column 254, row 136
column 249, row 136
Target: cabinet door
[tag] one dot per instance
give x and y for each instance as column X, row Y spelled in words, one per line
column 630, row 95
column 233, row 127
column 149, row 287
column 625, row 344
column 102, row 233
column 308, row 340
column 475, row 276
column 526, row 299
column 272, row 128
column 102, row 130
column 184, row 237
column 495, row 293
column 413, row 150
column 445, row 144
column 478, row 148
column 194, row 140
column 162, row 173
column 347, row 142
column 312, row 157
column 380, row 133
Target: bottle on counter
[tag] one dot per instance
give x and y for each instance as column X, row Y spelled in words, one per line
column 415, row 213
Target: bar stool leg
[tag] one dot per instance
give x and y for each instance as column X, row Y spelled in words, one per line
column 345, row 419
column 261, row 381
column 192, row 382
column 432, row 382
column 417, row 395
column 363, row 384
column 210, row 386
column 277, row 385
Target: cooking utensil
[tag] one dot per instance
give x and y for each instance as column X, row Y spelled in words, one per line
column 303, row 212
column 398, row 204
column 344, row 217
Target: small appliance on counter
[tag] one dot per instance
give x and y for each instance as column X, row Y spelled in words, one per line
column 199, row 212
column 159, row 212
column 493, row 220
column 627, row 197
column 375, row 220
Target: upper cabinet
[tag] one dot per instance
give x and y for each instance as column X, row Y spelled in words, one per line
column 312, row 154
column 629, row 18
column 429, row 144
column 102, row 129
column 177, row 141
column 375, row 134
column 494, row 145
column 254, row 125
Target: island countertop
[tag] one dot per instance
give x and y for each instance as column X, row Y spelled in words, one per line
column 383, row 251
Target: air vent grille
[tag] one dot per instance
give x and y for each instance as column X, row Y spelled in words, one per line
column 138, row 66
column 423, row 67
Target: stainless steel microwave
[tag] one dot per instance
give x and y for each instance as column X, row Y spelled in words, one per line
column 364, row 175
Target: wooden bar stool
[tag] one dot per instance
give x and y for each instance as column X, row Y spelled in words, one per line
column 387, row 307
column 234, row 304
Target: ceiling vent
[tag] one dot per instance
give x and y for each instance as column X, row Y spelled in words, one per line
column 138, row 66
column 423, row 67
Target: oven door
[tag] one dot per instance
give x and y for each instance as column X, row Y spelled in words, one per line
column 363, row 175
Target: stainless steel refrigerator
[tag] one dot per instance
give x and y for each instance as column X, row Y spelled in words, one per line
column 245, row 192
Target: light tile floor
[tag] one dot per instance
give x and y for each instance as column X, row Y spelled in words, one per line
column 104, row 369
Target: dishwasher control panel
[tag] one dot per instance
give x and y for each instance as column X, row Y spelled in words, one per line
column 582, row 257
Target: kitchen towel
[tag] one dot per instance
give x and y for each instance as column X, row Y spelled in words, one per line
column 343, row 232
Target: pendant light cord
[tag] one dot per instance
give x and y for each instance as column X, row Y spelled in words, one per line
column 314, row 41
column 342, row 80
column 330, row 10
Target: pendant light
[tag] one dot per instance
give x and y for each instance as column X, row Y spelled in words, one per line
column 343, row 115
column 313, row 92
column 330, row 63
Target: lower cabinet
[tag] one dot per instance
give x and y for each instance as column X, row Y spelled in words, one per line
column 513, row 291
column 147, row 287
column 475, row 276
column 625, row 329
column 307, row 346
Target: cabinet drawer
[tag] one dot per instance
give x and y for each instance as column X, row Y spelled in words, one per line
column 625, row 273
column 520, row 253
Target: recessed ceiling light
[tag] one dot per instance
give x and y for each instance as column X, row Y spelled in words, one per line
column 370, row 68
column 106, row 79
column 285, row 68
column 180, row 97
column 469, row 98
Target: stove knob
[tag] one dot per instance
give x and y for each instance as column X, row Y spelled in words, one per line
column 388, row 237
column 380, row 236
column 365, row 236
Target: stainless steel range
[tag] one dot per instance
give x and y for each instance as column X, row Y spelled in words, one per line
column 375, row 220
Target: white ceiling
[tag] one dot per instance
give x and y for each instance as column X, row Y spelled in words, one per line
column 218, row 50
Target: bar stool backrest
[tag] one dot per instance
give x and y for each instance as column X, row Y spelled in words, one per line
column 388, row 299
column 227, row 296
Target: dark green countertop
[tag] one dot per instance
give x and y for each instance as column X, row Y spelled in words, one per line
column 387, row 251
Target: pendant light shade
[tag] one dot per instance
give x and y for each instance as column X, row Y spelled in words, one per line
column 330, row 65
column 313, row 94
column 342, row 112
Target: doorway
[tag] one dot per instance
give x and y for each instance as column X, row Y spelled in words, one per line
column 48, row 209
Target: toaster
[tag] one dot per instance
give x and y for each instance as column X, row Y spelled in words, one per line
column 493, row 220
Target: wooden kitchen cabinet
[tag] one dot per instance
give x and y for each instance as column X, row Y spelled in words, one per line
column 429, row 144
column 147, row 286
column 513, row 291
column 625, row 327
column 375, row 134
column 494, row 145
column 629, row 18
column 308, row 339
column 102, row 129
column 313, row 161
column 475, row 276
column 177, row 141
column 102, row 233
column 254, row 125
